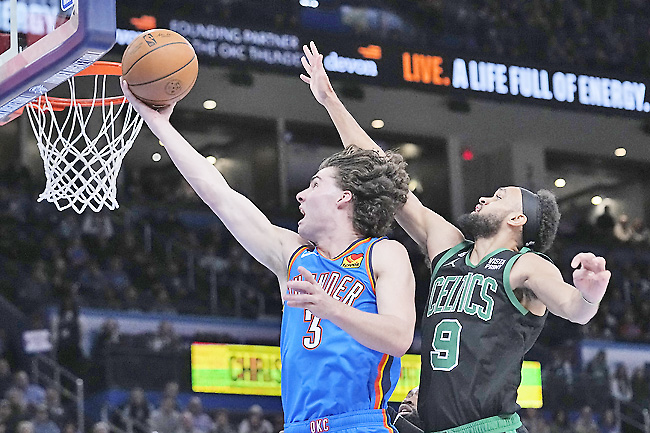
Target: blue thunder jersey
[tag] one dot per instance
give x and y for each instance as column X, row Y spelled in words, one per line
column 324, row 370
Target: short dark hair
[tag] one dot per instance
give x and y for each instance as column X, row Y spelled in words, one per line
column 378, row 183
column 549, row 222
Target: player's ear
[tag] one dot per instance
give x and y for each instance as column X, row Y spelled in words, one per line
column 345, row 197
column 517, row 219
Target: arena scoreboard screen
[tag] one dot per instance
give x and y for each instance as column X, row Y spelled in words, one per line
column 255, row 370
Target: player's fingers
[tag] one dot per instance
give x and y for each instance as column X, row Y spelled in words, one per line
column 604, row 276
column 314, row 50
column 305, row 78
column 305, row 64
column 125, row 88
column 308, row 276
column 300, row 286
column 581, row 258
column 305, row 49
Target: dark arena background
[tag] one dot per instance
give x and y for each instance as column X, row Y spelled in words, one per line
column 110, row 319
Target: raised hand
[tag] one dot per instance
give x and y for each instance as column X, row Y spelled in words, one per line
column 310, row 295
column 143, row 109
column 316, row 77
column 590, row 276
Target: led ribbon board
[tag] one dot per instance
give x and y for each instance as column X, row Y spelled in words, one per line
column 255, row 370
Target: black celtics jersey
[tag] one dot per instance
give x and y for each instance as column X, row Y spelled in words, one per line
column 474, row 337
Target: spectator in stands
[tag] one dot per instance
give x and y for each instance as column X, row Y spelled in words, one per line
column 187, row 423
column 165, row 338
column 621, row 385
column 586, row 423
column 117, row 277
column 5, row 376
column 68, row 226
column 222, row 422
column 609, row 423
column 93, row 281
column 42, row 422
column 97, row 230
column 70, row 427
column 605, row 224
column 57, row 412
column 132, row 299
column 77, row 254
column 68, row 334
column 35, row 290
column 172, row 390
column 641, row 386
column 622, row 229
column 534, row 421
column 640, row 234
column 202, row 421
column 629, row 329
column 5, row 413
column 162, row 302
column 18, row 408
column 212, row 260
column 136, row 410
column 598, row 369
column 25, row 427
column 100, row 427
column 255, row 421
column 34, row 394
column 165, row 419
column 109, row 335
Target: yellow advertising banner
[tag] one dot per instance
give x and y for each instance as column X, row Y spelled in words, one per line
column 255, row 370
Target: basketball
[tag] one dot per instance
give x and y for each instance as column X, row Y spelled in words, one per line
column 160, row 67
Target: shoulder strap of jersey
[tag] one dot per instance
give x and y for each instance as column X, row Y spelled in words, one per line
column 506, row 277
column 294, row 256
column 447, row 254
column 369, row 269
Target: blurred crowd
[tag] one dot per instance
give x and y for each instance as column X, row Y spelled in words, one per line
column 594, row 35
column 27, row 407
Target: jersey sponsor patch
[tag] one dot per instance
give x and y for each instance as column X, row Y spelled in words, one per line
column 495, row 263
column 352, row 261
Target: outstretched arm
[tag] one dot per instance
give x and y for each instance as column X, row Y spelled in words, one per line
column 577, row 303
column 269, row 244
column 428, row 229
column 391, row 329
column 348, row 128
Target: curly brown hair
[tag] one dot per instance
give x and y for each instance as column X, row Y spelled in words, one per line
column 379, row 185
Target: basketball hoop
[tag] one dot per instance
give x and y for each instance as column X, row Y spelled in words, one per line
column 81, row 163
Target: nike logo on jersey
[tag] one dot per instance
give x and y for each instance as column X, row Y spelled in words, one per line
column 308, row 253
column 452, row 263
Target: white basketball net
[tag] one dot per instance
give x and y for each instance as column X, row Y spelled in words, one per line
column 81, row 168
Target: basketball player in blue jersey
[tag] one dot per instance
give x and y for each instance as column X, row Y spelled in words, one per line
column 349, row 308
column 488, row 299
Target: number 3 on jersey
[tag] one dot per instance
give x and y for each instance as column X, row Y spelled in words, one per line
column 446, row 342
column 314, row 330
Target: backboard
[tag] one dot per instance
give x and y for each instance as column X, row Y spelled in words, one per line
column 44, row 42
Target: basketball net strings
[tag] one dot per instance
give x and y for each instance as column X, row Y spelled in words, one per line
column 81, row 173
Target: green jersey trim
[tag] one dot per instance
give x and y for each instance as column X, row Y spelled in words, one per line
column 493, row 424
column 450, row 252
column 506, row 284
column 487, row 257
column 506, row 278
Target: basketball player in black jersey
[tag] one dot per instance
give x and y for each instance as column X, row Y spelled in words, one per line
column 488, row 299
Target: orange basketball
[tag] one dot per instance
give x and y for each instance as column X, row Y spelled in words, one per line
column 160, row 67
